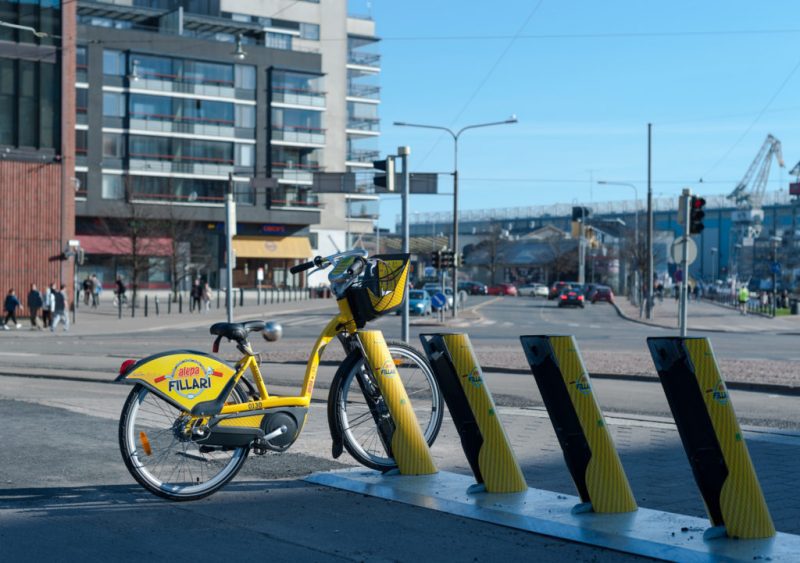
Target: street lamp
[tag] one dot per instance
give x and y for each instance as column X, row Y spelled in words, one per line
column 636, row 229
column 456, row 135
column 776, row 241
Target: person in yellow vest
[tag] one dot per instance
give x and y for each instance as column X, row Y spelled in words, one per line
column 744, row 297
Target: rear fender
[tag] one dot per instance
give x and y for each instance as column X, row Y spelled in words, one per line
column 192, row 381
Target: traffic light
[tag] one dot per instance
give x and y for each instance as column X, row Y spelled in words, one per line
column 436, row 259
column 385, row 181
column 447, row 258
column 696, row 215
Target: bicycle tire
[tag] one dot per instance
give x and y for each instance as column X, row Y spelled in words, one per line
column 157, row 423
column 353, row 419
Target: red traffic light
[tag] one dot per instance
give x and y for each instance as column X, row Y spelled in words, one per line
column 698, row 202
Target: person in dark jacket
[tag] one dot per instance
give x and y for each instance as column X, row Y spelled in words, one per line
column 11, row 306
column 35, row 303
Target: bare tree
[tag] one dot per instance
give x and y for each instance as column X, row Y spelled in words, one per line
column 564, row 258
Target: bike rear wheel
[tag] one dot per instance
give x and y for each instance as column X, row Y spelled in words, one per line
column 354, row 418
column 162, row 460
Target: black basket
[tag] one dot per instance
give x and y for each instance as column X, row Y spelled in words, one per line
column 381, row 290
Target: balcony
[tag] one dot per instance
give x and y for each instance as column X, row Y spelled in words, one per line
column 298, row 96
column 364, row 125
column 364, row 91
column 292, row 173
column 294, row 198
column 363, row 208
column 178, row 124
column 358, row 58
column 180, row 164
column 299, row 135
column 363, row 156
column 153, row 81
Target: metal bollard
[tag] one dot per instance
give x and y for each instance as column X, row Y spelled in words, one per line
column 169, row 305
column 180, row 303
column 258, row 296
column 145, row 305
column 119, row 306
column 217, row 298
column 241, row 297
column 156, row 300
column 133, row 306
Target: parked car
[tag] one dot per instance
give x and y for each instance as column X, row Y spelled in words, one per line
column 571, row 298
column 532, row 290
column 602, row 293
column 503, row 289
column 419, row 303
column 472, row 287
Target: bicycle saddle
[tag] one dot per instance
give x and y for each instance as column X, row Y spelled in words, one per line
column 237, row 331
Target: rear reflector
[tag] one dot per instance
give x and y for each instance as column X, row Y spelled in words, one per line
column 126, row 365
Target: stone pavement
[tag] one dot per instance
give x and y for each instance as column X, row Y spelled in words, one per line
column 705, row 315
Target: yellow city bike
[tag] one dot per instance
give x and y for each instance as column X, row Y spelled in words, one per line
column 191, row 419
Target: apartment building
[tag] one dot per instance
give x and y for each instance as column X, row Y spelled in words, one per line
column 178, row 102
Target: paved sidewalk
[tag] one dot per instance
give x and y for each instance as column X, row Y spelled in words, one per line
column 707, row 316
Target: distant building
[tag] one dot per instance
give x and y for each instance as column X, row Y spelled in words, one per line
column 720, row 253
column 169, row 104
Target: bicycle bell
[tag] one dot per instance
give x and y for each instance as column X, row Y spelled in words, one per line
column 272, row 331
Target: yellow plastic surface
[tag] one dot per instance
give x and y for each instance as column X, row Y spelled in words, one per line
column 183, row 378
column 409, row 447
column 609, row 490
column 499, row 466
column 744, row 509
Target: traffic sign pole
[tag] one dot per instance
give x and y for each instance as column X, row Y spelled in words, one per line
column 687, row 197
column 403, row 153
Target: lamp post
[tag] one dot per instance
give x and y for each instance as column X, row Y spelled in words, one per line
column 714, row 252
column 775, row 240
column 456, row 135
column 636, row 229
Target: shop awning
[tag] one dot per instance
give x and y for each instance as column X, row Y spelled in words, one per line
column 122, row 246
column 272, row 247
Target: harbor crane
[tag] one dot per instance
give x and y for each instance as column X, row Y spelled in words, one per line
column 749, row 192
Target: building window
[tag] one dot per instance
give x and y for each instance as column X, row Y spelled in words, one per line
column 8, row 96
column 113, row 146
column 281, row 41
column 113, row 62
column 81, row 142
column 245, row 117
column 113, row 187
column 309, row 31
column 113, row 104
column 245, row 155
column 29, row 102
column 246, row 77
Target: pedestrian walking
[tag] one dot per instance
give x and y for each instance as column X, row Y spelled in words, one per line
column 97, row 287
column 206, row 297
column 11, row 306
column 47, row 306
column 119, row 292
column 197, row 295
column 744, row 297
column 35, row 303
column 60, row 309
column 87, row 290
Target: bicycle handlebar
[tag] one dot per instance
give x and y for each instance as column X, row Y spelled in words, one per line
column 302, row 267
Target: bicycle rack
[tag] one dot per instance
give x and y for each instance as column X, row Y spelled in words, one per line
column 712, row 438
column 579, row 424
column 483, row 437
column 408, row 445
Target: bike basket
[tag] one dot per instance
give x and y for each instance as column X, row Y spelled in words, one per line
column 381, row 290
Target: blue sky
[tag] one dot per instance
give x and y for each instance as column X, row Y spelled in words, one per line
column 584, row 79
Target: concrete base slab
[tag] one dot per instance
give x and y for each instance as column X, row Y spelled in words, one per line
column 647, row 532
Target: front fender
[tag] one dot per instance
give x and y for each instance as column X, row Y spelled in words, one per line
column 192, row 381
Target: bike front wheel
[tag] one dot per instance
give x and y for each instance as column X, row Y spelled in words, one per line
column 355, row 410
column 160, row 457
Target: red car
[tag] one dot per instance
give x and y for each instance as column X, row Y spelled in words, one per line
column 503, row 289
column 603, row 293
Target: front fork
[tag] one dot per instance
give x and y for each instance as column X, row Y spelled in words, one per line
column 372, row 396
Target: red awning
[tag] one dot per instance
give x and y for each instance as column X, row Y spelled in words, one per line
column 121, row 246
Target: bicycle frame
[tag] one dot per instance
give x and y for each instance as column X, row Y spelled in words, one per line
column 249, row 362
